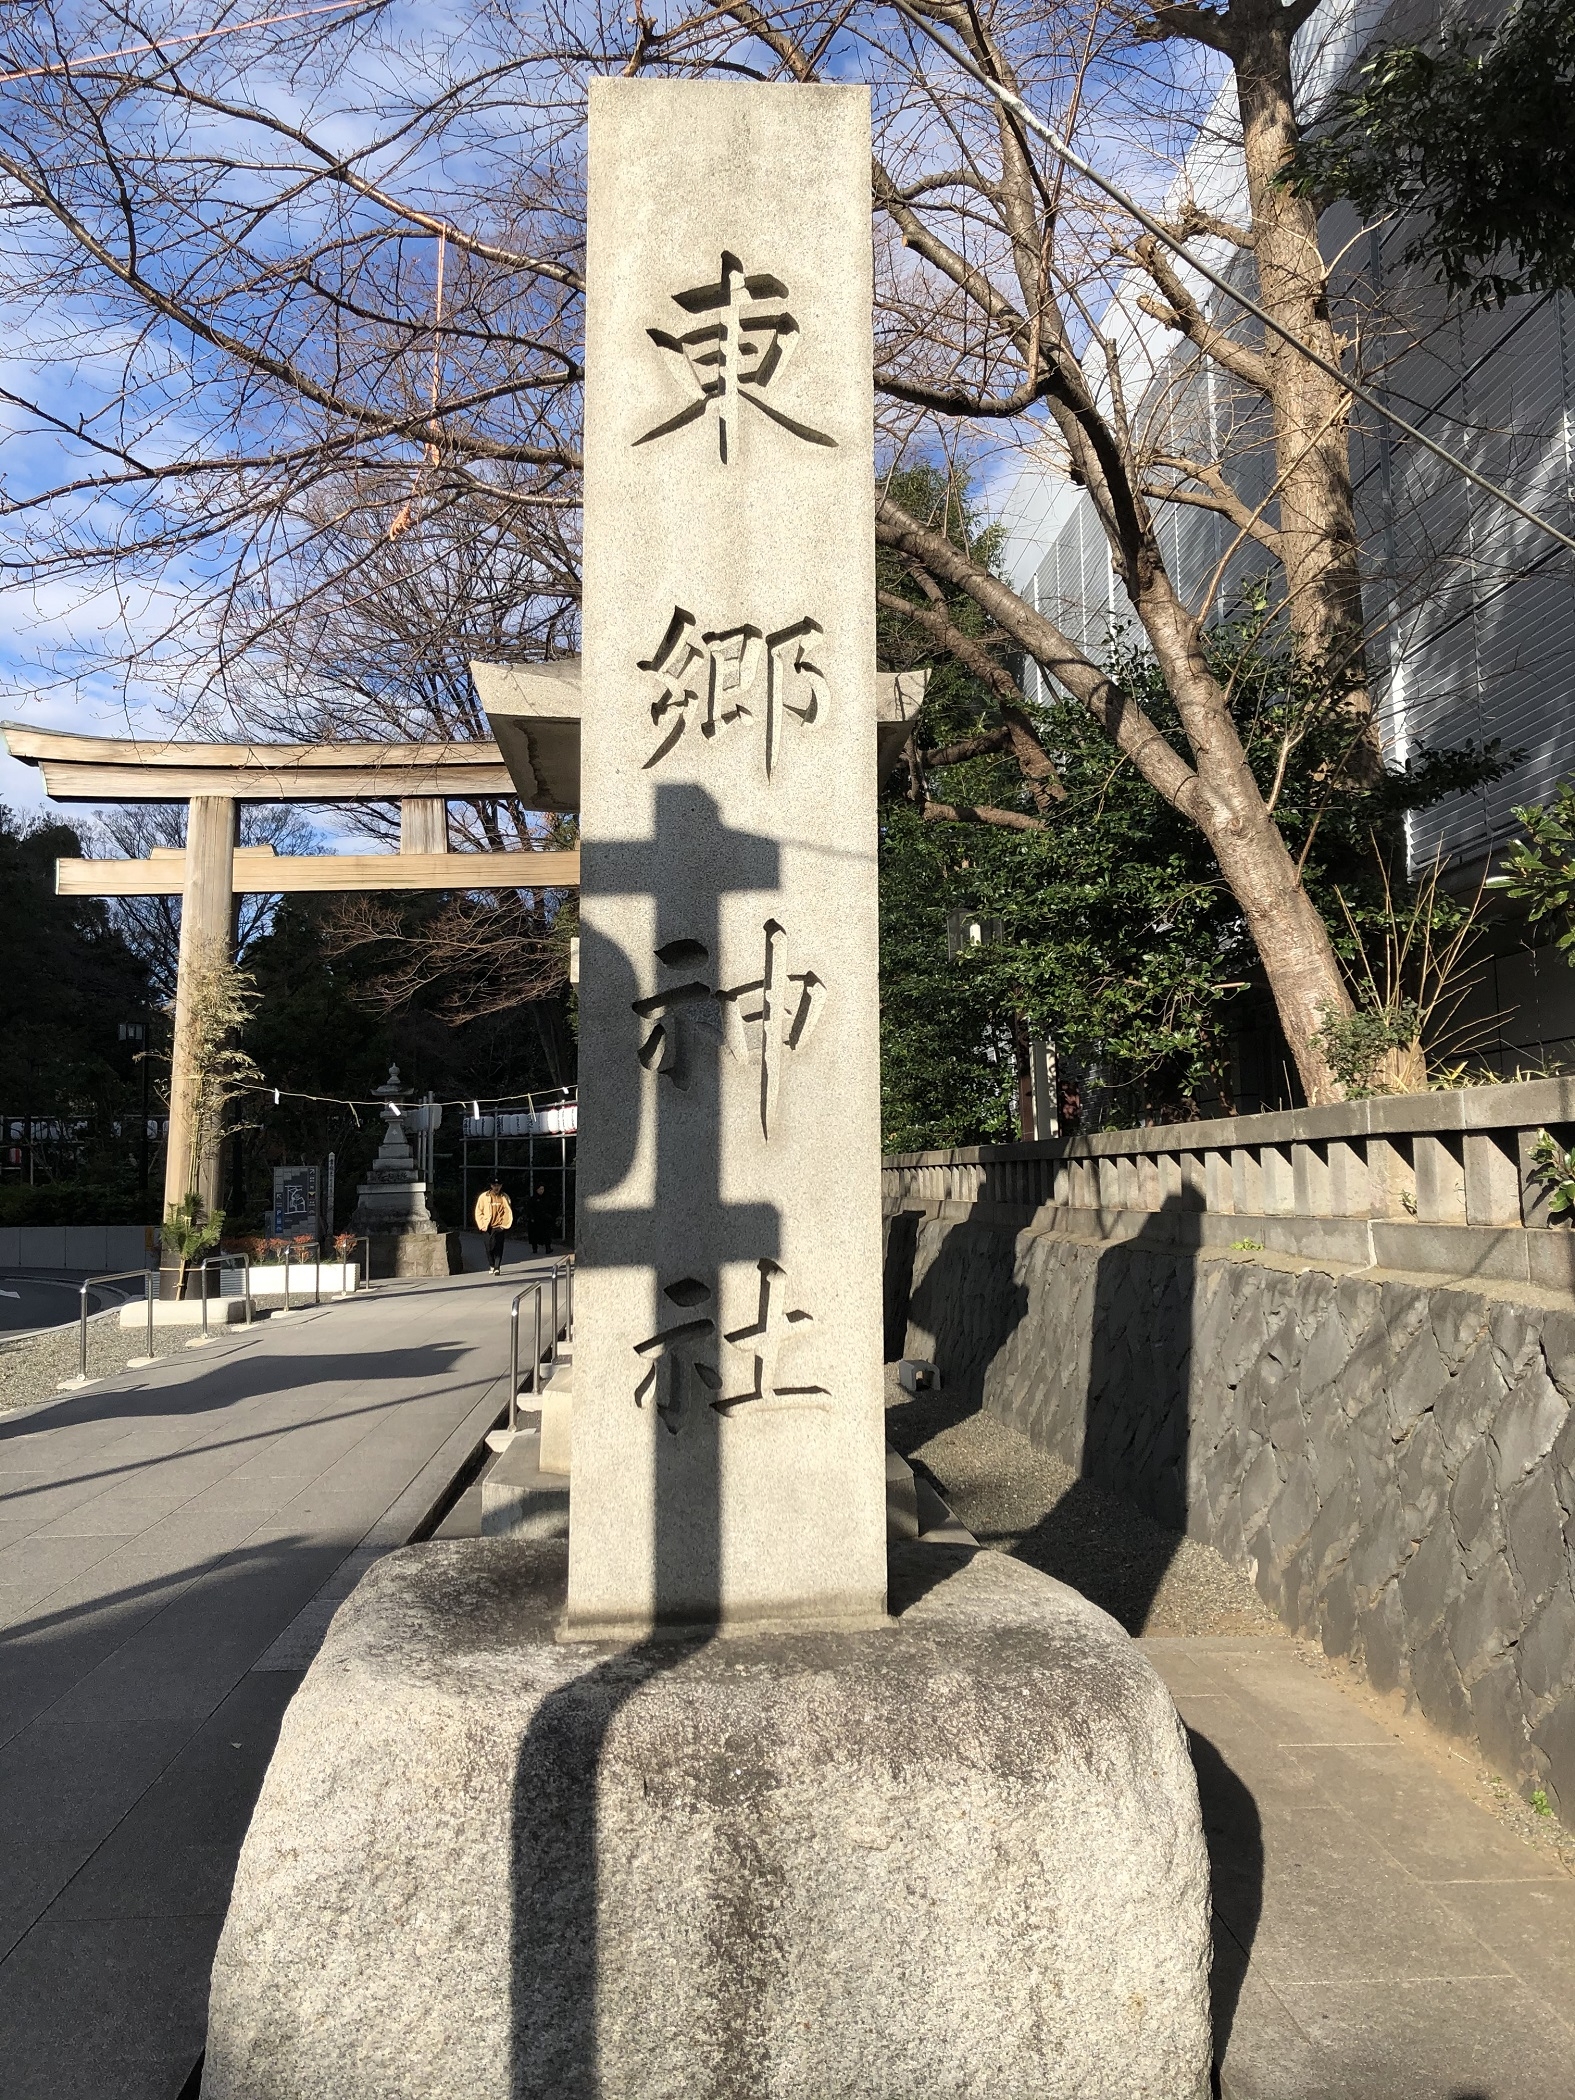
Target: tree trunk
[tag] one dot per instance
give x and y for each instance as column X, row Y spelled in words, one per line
column 1217, row 792
column 1317, row 517
column 1288, row 930
column 1293, row 945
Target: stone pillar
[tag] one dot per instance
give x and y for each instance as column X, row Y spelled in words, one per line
column 206, row 925
column 499, row 1852
column 728, row 1431
column 423, row 824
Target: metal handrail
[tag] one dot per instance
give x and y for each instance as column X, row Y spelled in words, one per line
column 562, row 1322
column 514, row 1351
column 217, row 1261
column 120, row 1276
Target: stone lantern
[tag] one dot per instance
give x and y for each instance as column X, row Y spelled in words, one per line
column 392, row 1211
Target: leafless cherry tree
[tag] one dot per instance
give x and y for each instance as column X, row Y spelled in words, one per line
column 304, row 299
column 150, row 926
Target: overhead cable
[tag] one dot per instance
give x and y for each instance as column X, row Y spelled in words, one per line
column 1020, row 109
column 165, row 43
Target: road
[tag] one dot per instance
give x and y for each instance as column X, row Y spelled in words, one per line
column 33, row 1298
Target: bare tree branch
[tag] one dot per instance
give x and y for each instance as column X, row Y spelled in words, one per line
column 1179, row 310
column 1020, row 736
column 968, row 813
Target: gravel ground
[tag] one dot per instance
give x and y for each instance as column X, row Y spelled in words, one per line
column 1019, row 1500
column 32, row 1367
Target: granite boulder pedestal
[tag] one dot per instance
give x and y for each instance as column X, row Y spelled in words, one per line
column 956, row 1856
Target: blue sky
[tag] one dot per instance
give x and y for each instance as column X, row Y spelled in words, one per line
column 57, row 644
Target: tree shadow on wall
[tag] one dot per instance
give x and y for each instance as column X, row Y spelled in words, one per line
column 1111, row 1532
column 1136, row 1432
column 1114, row 1530
column 967, row 1300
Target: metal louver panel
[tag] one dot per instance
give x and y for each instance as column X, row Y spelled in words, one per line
column 1072, row 586
column 1485, row 604
column 1472, row 610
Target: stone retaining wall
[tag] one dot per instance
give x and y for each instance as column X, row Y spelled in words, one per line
column 1391, row 1461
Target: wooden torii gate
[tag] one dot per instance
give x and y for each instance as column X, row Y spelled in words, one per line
column 534, row 712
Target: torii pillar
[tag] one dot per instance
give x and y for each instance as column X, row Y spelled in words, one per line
column 207, row 934
column 207, row 924
column 210, row 872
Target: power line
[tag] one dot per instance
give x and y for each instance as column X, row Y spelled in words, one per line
column 1020, row 109
column 190, row 36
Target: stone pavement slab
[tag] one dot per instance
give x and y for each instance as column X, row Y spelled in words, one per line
column 174, row 1543
column 1378, row 1934
column 1387, row 1927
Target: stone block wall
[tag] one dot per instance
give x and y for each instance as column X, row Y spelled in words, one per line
column 1392, row 1462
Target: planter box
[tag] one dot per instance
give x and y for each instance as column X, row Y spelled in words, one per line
column 180, row 1312
column 332, row 1279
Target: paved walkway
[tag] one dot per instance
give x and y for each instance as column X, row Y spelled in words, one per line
column 172, row 1543
column 1385, row 1928
column 36, row 1298
column 1378, row 1934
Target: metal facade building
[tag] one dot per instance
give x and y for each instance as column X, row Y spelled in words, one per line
column 1470, row 610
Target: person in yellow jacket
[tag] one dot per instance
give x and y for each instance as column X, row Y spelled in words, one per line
column 494, row 1216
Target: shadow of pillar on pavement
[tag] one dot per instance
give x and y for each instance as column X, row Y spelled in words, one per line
column 1132, row 1448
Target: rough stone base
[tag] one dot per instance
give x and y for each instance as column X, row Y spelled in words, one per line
column 415, row 1254
column 961, row 1856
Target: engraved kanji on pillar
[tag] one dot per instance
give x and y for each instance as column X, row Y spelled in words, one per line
column 728, row 1439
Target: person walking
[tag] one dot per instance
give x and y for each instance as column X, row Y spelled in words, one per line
column 541, row 1219
column 494, row 1216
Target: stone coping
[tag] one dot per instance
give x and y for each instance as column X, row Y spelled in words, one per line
column 1525, row 1105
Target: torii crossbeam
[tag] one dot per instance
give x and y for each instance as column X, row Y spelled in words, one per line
column 211, row 870
column 534, row 711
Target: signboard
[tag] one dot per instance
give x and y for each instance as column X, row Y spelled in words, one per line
column 294, row 1202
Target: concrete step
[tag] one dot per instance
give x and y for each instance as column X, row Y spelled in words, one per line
column 557, row 1418
column 915, row 1511
column 518, row 1500
column 937, row 1525
column 902, row 1502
